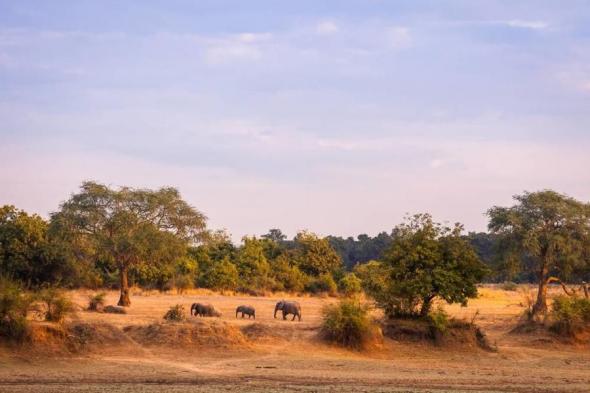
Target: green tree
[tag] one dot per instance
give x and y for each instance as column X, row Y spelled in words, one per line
column 275, row 235
column 23, row 244
column 29, row 254
column 427, row 260
column 128, row 226
column 314, row 255
column 350, row 284
column 221, row 275
column 547, row 229
column 287, row 276
column 252, row 264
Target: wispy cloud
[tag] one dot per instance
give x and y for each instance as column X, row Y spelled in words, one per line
column 327, row 27
column 525, row 24
column 398, row 37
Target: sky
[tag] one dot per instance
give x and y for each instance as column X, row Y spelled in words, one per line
column 336, row 117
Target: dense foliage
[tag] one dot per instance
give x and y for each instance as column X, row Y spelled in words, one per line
column 546, row 233
column 426, row 261
column 128, row 227
column 116, row 238
column 569, row 315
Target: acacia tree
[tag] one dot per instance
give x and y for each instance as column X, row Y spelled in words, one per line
column 128, row 226
column 426, row 260
column 549, row 229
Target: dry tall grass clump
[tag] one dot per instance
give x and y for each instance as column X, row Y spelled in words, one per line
column 58, row 305
column 15, row 304
column 348, row 324
column 175, row 314
column 96, row 301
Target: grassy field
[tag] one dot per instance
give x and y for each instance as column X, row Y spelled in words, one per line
column 280, row 355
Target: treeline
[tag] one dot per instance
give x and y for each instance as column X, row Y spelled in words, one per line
column 105, row 237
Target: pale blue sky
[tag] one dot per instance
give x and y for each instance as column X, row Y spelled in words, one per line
column 338, row 117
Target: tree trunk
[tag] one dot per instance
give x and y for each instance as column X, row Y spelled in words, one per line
column 540, row 306
column 426, row 305
column 124, row 299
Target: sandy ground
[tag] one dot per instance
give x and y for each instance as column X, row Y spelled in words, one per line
column 296, row 361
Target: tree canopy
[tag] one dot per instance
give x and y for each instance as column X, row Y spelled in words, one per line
column 426, row 260
column 127, row 226
column 550, row 231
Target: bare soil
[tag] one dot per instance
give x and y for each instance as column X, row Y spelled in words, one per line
column 140, row 352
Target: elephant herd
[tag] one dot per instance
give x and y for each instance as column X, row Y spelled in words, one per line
column 286, row 307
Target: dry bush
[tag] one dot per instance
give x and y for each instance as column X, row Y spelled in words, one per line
column 175, row 314
column 348, row 324
column 96, row 301
column 528, row 301
column 15, row 304
column 58, row 305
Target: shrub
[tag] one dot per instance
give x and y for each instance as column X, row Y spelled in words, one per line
column 569, row 315
column 528, row 301
column 14, row 307
column 175, row 313
column 350, row 284
column 96, row 301
column 439, row 320
column 348, row 323
column 323, row 284
column 57, row 303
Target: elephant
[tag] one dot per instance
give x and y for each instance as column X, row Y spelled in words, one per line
column 288, row 308
column 247, row 310
column 204, row 310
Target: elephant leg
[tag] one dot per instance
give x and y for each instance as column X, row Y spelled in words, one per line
column 294, row 315
column 284, row 316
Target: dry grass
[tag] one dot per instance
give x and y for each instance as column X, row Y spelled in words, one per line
column 227, row 353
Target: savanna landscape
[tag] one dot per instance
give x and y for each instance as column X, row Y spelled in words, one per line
column 294, row 196
column 275, row 355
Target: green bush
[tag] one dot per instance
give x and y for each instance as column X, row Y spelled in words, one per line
column 348, row 324
column 324, row 283
column 569, row 315
column 175, row 314
column 14, row 307
column 350, row 284
column 57, row 303
column 439, row 320
column 96, row 301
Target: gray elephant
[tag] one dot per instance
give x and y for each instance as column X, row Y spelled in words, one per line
column 288, row 308
column 246, row 310
column 204, row 310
